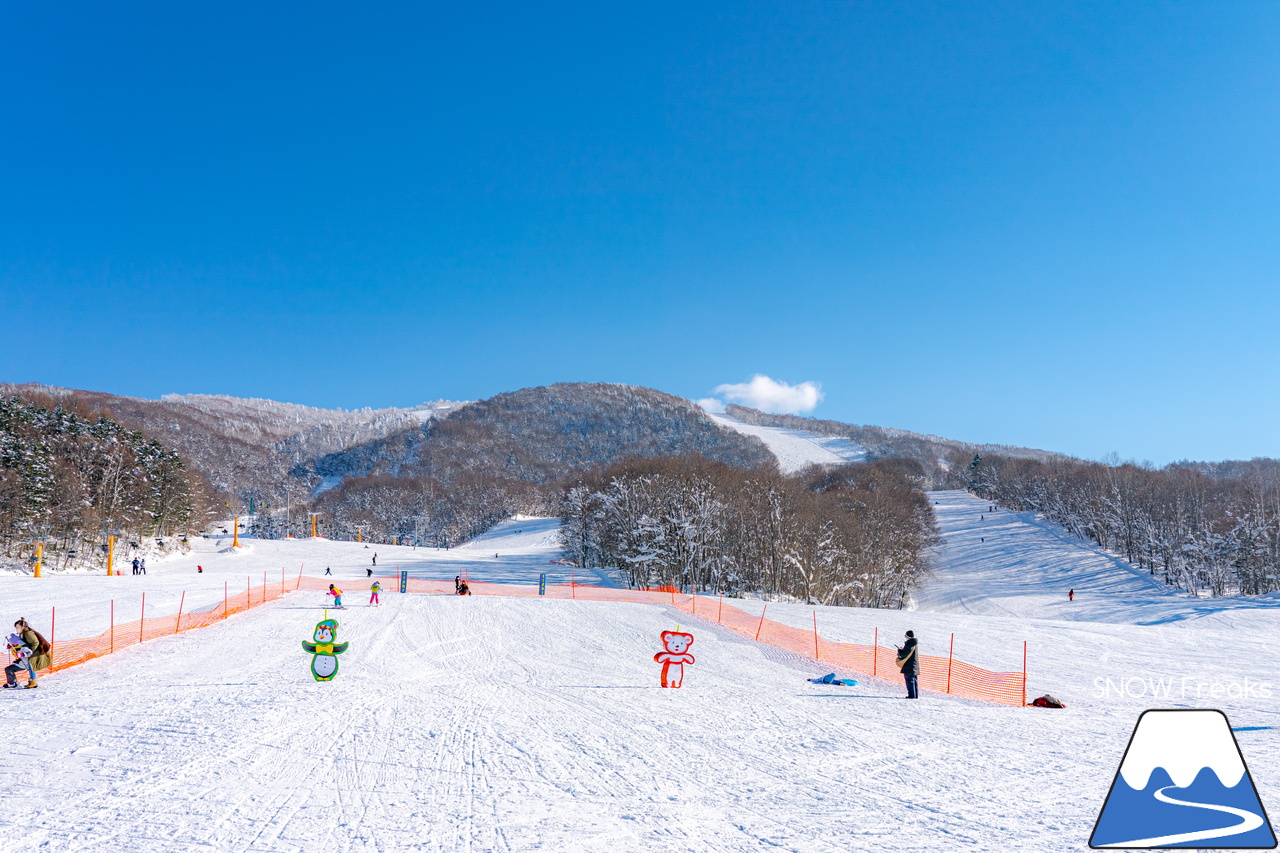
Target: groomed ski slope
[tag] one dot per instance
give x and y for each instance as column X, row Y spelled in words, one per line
column 797, row 449
column 524, row 724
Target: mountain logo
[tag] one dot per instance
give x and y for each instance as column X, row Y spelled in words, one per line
column 1183, row 783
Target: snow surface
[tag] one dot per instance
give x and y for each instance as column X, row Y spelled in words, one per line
column 797, row 449
column 488, row 723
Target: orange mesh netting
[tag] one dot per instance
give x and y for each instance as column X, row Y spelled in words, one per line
column 940, row 674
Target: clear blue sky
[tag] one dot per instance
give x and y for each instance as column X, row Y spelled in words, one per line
column 1043, row 224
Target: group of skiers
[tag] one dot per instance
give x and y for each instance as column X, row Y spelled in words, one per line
column 139, row 566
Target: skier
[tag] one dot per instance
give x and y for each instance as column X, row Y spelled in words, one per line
column 909, row 662
column 337, row 595
column 368, row 572
column 375, row 558
column 37, row 658
column 142, row 566
column 1071, row 595
column 199, row 570
column 326, row 571
column 135, row 565
column 373, row 596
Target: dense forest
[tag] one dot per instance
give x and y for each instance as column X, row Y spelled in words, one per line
column 68, row 478
column 854, row 535
column 1205, row 528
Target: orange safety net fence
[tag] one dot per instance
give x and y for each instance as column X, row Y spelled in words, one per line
column 121, row 635
column 940, row 674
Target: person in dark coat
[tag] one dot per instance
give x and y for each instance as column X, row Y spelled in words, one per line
column 36, row 661
column 909, row 663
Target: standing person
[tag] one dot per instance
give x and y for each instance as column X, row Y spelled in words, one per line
column 457, row 582
column 135, row 565
column 142, row 566
column 1071, row 595
column 375, row 558
column 39, row 657
column 373, row 594
column 337, row 595
column 909, row 662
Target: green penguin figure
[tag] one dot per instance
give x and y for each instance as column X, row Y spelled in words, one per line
column 324, row 651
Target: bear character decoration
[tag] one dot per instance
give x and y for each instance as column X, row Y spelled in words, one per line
column 675, row 657
column 324, row 651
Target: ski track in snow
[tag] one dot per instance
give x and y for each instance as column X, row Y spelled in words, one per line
column 502, row 724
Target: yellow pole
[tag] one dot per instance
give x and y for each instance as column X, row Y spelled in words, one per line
column 313, row 525
column 235, row 534
column 39, row 556
column 111, row 553
column 358, row 535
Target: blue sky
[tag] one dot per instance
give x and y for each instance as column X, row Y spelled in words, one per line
column 1051, row 224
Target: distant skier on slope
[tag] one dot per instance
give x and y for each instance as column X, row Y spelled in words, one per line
column 337, row 595
column 1071, row 595
column 375, row 558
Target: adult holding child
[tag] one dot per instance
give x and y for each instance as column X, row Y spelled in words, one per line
column 31, row 651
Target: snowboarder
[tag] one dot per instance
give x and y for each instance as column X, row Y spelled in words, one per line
column 37, row 658
column 337, row 595
column 1071, row 595
column 909, row 662
column 373, row 594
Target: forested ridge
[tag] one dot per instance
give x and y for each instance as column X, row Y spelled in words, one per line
column 69, row 478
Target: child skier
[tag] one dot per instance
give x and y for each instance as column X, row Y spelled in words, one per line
column 373, row 594
column 337, row 595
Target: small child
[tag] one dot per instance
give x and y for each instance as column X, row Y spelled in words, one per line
column 337, row 595
column 373, row 597
column 21, row 658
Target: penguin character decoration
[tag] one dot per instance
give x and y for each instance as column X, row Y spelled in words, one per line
column 324, row 651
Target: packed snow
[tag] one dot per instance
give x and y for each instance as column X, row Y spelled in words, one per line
column 796, row 449
column 487, row 723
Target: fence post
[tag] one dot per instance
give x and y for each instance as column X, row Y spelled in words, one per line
column 298, row 585
column 573, row 585
column 248, row 592
column 951, row 654
column 875, row 653
column 113, row 627
column 761, row 625
column 816, row 653
column 53, row 633
column 1024, row 673
column 143, row 621
column 693, row 605
column 224, row 599
column 264, row 587
column 182, row 601
column 720, row 612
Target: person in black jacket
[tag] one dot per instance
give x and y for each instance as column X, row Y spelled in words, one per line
column 909, row 663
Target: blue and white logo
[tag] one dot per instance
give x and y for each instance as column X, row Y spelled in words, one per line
column 1183, row 783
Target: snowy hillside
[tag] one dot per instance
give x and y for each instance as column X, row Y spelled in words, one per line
column 536, row 724
column 797, row 449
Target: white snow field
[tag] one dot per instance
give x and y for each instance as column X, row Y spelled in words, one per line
column 798, row 449
column 489, row 723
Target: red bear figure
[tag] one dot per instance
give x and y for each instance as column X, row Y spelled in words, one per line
column 675, row 657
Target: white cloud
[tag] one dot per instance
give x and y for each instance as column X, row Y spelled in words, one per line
column 772, row 396
column 711, row 404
